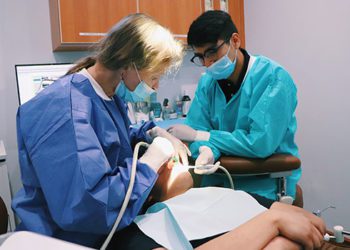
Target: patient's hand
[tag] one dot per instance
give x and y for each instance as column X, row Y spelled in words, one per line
column 172, row 181
column 299, row 225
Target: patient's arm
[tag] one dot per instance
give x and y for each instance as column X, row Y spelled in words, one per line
column 254, row 234
column 295, row 224
column 280, row 242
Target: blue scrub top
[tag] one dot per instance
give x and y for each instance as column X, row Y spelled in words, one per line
column 75, row 153
column 258, row 121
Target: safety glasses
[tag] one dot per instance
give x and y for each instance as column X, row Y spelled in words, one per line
column 209, row 54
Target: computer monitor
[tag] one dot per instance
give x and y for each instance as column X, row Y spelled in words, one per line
column 32, row 78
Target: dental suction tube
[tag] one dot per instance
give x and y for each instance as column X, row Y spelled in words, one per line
column 127, row 196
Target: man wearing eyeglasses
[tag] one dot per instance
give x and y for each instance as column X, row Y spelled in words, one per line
column 244, row 105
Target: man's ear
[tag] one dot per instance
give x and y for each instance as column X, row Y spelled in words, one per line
column 236, row 40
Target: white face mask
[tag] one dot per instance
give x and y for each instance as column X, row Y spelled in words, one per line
column 223, row 67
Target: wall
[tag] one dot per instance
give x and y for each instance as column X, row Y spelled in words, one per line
column 24, row 38
column 185, row 80
column 311, row 40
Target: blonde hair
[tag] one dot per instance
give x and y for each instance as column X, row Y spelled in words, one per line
column 138, row 39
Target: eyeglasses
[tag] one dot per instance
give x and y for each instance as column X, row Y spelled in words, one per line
column 209, row 54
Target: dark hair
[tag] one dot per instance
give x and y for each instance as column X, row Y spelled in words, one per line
column 209, row 27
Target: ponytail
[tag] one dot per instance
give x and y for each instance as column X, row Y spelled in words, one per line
column 81, row 64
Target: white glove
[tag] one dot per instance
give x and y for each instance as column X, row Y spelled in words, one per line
column 205, row 157
column 186, row 133
column 159, row 152
column 181, row 150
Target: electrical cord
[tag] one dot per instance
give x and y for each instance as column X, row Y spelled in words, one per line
column 127, row 196
column 210, row 169
column 228, row 175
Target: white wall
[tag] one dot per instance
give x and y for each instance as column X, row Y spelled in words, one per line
column 24, row 38
column 185, row 79
column 311, row 39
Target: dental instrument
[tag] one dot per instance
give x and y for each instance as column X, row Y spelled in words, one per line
column 338, row 231
column 319, row 212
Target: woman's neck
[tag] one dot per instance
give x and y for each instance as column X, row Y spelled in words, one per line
column 107, row 79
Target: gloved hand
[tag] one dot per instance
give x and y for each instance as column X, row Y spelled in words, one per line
column 160, row 151
column 205, row 156
column 181, row 150
column 186, row 133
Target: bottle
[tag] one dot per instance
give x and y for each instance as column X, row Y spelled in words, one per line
column 166, row 109
column 178, row 106
column 186, row 103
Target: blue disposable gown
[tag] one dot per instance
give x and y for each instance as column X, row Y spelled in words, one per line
column 75, row 152
column 258, row 121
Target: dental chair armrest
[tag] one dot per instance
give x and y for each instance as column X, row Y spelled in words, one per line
column 271, row 164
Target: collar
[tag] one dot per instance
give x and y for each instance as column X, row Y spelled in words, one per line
column 97, row 87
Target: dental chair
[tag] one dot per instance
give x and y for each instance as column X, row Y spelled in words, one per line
column 3, row 217
column 276, row 166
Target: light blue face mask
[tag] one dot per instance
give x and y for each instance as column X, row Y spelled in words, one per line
column 124, row 93
column 223, row 67
column 141, row 92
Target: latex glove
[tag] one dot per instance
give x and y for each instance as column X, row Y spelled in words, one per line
column 205, row 156
column 159, row 152
column 181, row 150
column 186, row 133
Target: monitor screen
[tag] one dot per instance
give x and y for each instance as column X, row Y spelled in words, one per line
column 32, row 78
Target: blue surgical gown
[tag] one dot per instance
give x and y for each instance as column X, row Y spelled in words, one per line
column 258, row 121
column 75, row 153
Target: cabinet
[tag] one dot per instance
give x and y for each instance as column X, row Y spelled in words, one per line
column 5, row 192
column 176, row 15
column 78, row 24
column 236, row 10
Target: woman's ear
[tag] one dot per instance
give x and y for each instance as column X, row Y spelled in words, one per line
column 124, row 72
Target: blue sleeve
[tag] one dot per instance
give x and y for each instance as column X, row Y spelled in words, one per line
column 198, row 116
column 139, row 134
column 83, row 192
column 269, row 119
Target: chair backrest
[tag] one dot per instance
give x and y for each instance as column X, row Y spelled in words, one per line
column 3, row 217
